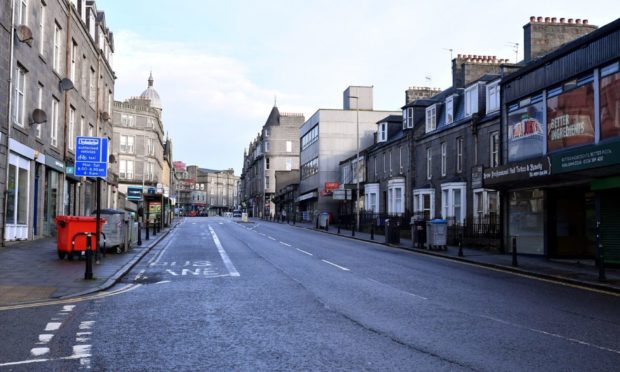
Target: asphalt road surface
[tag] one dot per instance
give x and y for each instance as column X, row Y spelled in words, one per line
column 217, row 294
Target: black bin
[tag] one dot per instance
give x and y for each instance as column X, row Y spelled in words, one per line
column 392, row 231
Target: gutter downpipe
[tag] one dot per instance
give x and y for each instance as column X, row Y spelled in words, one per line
column 9, row 122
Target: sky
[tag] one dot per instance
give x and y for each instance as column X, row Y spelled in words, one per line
column 220, row 66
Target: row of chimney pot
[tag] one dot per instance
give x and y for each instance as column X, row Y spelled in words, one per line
column 577, row 21
column 481, row 59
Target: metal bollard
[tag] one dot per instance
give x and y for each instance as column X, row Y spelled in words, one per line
column 317, row 223
column 601, row 265
column 338, row 227
column 514, row 252
column 372, row 231
column 146, row 230
column 139, row 233
column 460, row 248
column 327, row 225
column 88, row 274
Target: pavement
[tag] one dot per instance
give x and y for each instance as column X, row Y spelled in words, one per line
column 31, row 272
column 565, row 271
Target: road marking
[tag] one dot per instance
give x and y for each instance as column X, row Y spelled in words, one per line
column 163, row 281
column 81, row 351
column 45, row 338
column 389, row 286
column 302, row 251
column 52, row 326
column 161, row 253
column 87, row 324
column 227, row 262
column 261, row 234
column 569, row 339
column 286, row 244
column 31, row 361
column 38, row 351
column 338, row 266
column 68, row 308
column 272, row 238
column 139, row 274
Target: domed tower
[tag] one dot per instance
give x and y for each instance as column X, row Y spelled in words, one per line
column 151, row 94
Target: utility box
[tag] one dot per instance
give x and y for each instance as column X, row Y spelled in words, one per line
column 437, row 234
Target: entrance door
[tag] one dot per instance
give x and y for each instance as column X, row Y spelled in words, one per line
column 17, row 208
column 574, row 212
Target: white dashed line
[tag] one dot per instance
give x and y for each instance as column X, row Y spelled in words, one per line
column 272, row 238
column 302, row 251
column 286, row 244
column 52, row 326
column 338, row 266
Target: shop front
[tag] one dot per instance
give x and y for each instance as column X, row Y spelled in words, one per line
column 52, row 193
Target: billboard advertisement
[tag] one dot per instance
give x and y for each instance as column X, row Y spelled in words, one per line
column 570, row 118
column 526, row 133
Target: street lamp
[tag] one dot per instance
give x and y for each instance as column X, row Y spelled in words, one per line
column 357, row 165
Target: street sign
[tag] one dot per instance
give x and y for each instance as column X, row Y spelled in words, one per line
column 91, row 157
column 134, row 193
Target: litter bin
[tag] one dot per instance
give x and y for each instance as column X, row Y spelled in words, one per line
column 324, row 219
column 418, row 232
column 68, row 226
column 437, row 234
column 114, row 229
column 392, row 231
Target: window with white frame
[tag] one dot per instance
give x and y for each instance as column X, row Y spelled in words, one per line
column 444, row 158
column 22, row 12
column 127, row 144
column 494, row 146
column 19, row 107
column 54, row 123
column 486, row 206
column 424, row 203
column 42, row 16
column 404, row 118
column 73, row 65
column 453, row 201
column 429, row 163
column 92, row 95
column 492, row 97
column 450, row 110
column 266, row 146
column 289, row 146
column 382, row 132
column 371, row 200
column 471, row 100
column 459, row 154
column 128, row 120
column 400, row 159
column 267, row 163
column 57, row 48
column 289, row 164
column 409, row 117
column 384, row 163
column 395, row 201
column 431, row 118
column 390, row 161
column 125, row 169
column 40, row 106
column 91, row 130
column 375, row 161
column 110, row 99
column 71, row 129
column 84, row 77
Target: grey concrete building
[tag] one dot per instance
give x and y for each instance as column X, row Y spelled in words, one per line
column 329, row 136
column 61, row 86
column 275, row 149
column 6, row 37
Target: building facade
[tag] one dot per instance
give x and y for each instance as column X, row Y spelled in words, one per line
column 62, row 86
column 275, row 149
column 326, row 138
column 560, row 143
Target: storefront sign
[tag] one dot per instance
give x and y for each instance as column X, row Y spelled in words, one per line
column 55, row 163
column 526, row 134
column 330, row 186
column 586, row 157
column 518, row 171
column 134, row 193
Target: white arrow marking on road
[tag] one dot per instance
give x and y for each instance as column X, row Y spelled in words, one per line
column 338, row 266
column 229, row 265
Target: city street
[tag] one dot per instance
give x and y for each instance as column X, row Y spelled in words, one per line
column 218, row 294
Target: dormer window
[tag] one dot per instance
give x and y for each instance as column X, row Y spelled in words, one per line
column 382, row 132
column 431, row 118
column 450, row 110
column 471, row 100
column 493, row 97
column 408, row 118
column 404, row 119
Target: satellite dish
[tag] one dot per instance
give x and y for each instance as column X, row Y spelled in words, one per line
column 66, row 84
column 105, row 116
column 24, row 34
column 112, row 159
column 39, row 116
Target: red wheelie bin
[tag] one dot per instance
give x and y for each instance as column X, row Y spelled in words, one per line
column 68, row 229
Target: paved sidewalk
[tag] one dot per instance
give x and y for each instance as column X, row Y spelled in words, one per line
column 577, row 272
column 30, row 271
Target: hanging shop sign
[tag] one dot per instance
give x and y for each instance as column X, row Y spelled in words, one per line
column 517, row 171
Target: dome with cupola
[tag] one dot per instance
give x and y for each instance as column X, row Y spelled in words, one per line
column 151, row 94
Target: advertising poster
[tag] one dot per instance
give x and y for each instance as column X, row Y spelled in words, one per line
column 570, row 119
column 526, row 134
column 610, row 106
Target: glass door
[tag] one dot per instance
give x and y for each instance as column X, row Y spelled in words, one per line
column 18, row 185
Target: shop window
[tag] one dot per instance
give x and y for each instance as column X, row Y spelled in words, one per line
column 570, row 118
column 610, row 106
column 526, row 129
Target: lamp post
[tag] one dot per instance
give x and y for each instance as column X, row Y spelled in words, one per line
column 357, row 165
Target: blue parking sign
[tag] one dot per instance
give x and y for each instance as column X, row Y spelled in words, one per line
column 91, row 157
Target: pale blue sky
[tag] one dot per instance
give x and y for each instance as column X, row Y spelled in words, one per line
column 218, row 64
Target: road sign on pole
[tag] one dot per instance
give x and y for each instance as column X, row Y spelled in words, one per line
column 91, row 157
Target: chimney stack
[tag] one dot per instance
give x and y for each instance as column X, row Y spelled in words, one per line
column 544, row 34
